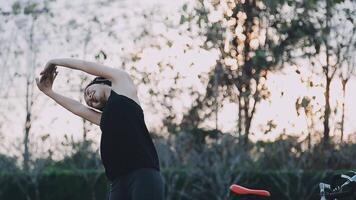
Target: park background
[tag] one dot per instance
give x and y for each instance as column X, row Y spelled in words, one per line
column 253, row 92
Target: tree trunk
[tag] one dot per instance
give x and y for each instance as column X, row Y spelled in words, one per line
column 246, row 75
column 344, row 82
column 26, row 154
column 310, row 126
column 246, row 121
column 216, row 92
column 326, row 138
column 84, row 122
column 327, row 111
column 239, row 120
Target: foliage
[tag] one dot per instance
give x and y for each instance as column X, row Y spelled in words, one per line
column 194, row 167
column 181, row 183
column 253, row 39
column 54, row 185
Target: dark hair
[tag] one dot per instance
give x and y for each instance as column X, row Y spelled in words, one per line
column 99, row 80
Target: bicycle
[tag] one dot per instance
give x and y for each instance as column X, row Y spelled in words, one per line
column 333, row 191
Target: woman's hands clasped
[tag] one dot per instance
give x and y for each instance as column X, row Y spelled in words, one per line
column 47, row 78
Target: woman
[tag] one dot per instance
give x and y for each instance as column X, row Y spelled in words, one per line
column 128, row 154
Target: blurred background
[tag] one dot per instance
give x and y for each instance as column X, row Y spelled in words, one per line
column 253, row 92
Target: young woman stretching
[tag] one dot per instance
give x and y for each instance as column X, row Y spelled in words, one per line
column 127, row 152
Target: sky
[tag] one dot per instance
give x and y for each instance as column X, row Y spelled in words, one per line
column 56, row 121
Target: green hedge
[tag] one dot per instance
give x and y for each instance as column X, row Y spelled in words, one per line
column 180, row 184
column 55, row 185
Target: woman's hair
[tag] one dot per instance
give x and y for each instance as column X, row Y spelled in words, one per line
column 99, row 80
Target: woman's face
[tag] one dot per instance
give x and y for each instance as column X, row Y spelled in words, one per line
column 94, row 96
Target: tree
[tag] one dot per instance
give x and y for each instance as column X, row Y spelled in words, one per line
column 253, row 38
column 345, row 29
column 21, row 55
column 327, row 48
column 26, row 16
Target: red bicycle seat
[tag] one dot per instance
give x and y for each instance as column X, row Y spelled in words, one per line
column 239, row 190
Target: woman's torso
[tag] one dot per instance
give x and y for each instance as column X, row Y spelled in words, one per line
column 125, row 143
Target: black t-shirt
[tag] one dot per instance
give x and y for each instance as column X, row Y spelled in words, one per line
column 125, row 143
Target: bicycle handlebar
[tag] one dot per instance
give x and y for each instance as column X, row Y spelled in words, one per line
column 338, row 191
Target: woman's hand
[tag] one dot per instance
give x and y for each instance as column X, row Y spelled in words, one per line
column 46, row 82
column 49, row 69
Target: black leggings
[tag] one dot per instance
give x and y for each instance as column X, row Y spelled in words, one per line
column 141, row 184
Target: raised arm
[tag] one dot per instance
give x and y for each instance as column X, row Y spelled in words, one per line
column 92, row 68
column 74, row 106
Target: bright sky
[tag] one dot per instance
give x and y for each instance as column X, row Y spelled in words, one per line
column 57, row 121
